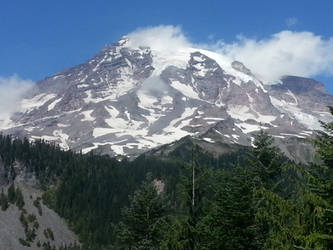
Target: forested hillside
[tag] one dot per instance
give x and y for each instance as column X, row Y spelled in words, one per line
column 253, row 199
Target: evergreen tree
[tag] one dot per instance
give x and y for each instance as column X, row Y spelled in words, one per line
column 140, row 227
column 324, row 144
column 229, row 223
column 19, row 198
column 3, row 201
column 266, row 160
column 11, row 194
column 317, row 201
column 272, row 211
column 278, row 220
column 194, row 186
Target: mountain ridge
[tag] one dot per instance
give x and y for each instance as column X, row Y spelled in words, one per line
column 132, row 99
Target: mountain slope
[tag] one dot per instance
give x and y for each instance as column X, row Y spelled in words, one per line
column 40, row 219
column 128, row 99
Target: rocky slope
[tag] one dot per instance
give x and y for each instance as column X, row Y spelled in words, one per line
column 11, row 226
column 129, row 99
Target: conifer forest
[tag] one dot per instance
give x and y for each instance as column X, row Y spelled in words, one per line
column 255, row 198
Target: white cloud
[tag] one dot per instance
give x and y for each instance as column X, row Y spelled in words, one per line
column 163, row 37
column 291, row 21
column 12, row 90
column 285, row 53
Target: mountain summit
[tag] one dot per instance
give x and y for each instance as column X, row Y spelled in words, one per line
column 129, row 98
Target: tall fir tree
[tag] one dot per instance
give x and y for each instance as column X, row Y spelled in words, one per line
column 3, row 201
column 140, row 227
column 229, row 221
column 19, row 198
column 11, row 194
column 265, row 161
column 194, row 186
column 317, row 200
column 273, row 213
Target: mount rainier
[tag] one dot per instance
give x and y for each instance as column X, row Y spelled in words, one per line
column 128, row 99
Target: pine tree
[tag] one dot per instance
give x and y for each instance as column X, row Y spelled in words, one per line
column 3, row 201
column 317, row 200
column 266, row 160
column 274, row 214
column 229, row 223
column 194, row 185
column 142, row 220
column 11, row 194
column 19, row 198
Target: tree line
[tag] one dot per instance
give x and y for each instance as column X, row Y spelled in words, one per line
column 253, row 199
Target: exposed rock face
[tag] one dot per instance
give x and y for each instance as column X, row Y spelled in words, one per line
column 12, row 229
column 240, row 67
column 307, row 94
column 126, row 100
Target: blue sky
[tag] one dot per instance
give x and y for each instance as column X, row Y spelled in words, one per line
column 39, row 38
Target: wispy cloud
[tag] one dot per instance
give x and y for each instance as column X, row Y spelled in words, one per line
column 284, row 53
column 163, row 37
column 291, row 21
column 12, row 90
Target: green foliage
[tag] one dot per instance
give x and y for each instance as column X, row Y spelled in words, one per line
column 265, row 161
column 24, row 242
column 261, row 202
column 31, row 218
column 24, row 221
column 175, row 233
column 193, row 187
column 49, row 198
column 74, row 246
column 3, row 201
column 11, row 194
column 15, row 196
column 229, row 222
column 48, row 233
column 324, row 144
column 19, row 198
column 38, row 205
column 30, row 225
column 317, row 200
column 278, row 219
column 143, row 219
column 276, row 216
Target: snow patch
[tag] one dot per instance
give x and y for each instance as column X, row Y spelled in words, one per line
column 28, row 105
column 198, row 59
column 294, row 135
column 242, row 113
column 63, row 138
column 186, row 90
column 97, row 132
column 118, row 149
column 83, row 85
column 213, row 118
column 208, row 140
column 236, row 137
column 310, row 121
column 248, row 128
column 166, row 100
column 53, row 104
column 87, row 115
column 61, row 125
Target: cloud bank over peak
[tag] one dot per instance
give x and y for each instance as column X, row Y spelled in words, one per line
column 284, row 53
column 160, row 38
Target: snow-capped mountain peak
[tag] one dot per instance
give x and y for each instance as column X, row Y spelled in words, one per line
column 130, row 98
